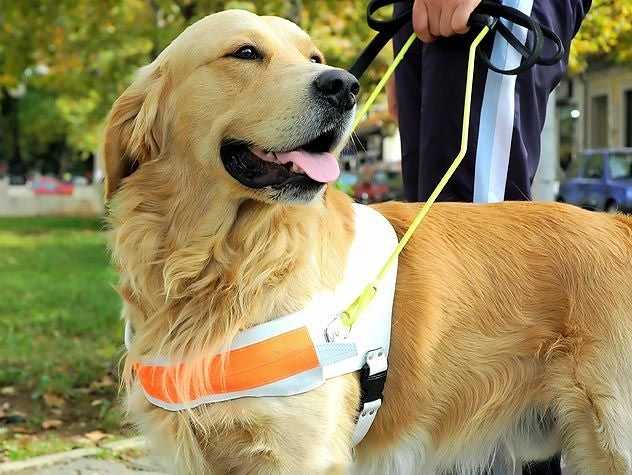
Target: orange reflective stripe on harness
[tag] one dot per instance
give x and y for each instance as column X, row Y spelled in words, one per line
column 252, row 366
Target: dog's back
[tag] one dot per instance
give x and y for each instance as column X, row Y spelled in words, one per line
column 521, row 314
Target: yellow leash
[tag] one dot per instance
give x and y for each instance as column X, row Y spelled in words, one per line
column 352, row 313
column 380, row 85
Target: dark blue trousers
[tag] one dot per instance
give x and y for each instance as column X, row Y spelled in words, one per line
column 508, row 115
column 508, row 112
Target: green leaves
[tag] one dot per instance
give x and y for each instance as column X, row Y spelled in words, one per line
column 72, row 58
column 605, row 35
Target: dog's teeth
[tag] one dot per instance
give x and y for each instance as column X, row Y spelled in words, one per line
column 296, row 169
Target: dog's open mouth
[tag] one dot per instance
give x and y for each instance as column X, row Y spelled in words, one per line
column 309, row 164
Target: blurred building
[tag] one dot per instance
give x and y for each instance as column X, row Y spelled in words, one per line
column 48, row 196
column 586, row 112
column 375, row 141
column 603, row 96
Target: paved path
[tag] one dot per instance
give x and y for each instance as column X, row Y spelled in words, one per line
column 96, row 466
column 93, row 466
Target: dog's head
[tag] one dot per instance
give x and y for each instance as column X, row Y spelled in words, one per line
column 247, row 99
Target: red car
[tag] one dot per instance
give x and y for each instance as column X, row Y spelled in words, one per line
column 51, row 186
column 382, row 185
column 369, row 192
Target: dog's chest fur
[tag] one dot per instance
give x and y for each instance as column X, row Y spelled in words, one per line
column 190, row 293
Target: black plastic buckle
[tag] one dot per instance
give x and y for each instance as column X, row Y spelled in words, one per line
column 372, row 386
column 482, row 20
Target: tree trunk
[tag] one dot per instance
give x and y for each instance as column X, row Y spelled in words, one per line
column 187, row 10
column 296, row 11
column 11, row 119
column 155, row 51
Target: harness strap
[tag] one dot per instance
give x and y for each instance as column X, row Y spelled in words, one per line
column 285, row 364
column 255, row 365
column 294, row 353
column 278, row 358
column 372, row 380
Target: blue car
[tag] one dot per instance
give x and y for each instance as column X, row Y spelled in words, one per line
column 599, row 180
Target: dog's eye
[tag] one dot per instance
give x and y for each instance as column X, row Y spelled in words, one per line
column 315, row 59
column 247, row 52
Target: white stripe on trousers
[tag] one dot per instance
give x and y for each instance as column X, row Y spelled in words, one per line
column 497, row 116
column 494, row 143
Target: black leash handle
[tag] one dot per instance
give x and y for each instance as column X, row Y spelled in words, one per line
column 531, row 55
column 386, row 30
column 488, row 13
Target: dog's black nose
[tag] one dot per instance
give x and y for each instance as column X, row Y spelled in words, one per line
column 338, row 87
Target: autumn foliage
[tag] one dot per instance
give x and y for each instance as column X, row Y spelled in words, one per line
column 63, row 62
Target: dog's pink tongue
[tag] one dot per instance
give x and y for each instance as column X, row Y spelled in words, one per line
column 322, row 167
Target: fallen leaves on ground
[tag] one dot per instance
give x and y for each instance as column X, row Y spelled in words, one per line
column 105, row 382
column 52, row 400
column 95, row 436
column 7, row 391
column 34, row 422
column 52, row 424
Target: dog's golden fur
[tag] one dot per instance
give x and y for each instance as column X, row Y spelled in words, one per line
column 512, row 322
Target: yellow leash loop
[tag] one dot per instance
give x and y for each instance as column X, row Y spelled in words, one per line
column 352, row 313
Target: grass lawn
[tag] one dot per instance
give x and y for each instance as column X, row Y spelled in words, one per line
column 60, row 333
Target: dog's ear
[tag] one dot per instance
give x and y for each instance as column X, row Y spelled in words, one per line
column 135, row 129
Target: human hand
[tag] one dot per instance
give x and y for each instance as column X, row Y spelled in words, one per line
column 434, row 18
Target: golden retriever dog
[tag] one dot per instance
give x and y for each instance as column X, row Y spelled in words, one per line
column 512, row 324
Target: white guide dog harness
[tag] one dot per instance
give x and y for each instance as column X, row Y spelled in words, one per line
column 298, row 352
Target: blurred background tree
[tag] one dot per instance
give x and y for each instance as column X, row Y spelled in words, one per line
column 63, row 62
column 605, row 35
